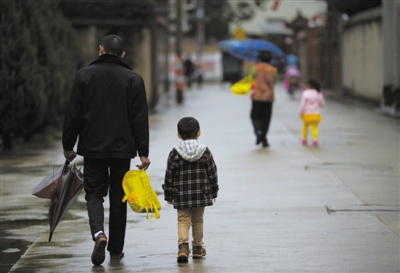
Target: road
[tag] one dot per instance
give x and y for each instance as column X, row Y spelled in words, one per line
column 286, row 208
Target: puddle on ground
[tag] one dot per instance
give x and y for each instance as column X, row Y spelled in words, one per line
column 8, row 260
column 12, row 247
column 11, row 250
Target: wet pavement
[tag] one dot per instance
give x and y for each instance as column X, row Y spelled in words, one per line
column 286, row 208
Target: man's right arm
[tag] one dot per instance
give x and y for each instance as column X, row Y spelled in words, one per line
column 145, row 163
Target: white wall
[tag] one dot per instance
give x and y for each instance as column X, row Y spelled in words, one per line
column 363, row 56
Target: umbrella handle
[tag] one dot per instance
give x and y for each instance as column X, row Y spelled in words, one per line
column 65, row 166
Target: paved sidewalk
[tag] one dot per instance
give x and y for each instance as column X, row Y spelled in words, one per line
column 272, row 211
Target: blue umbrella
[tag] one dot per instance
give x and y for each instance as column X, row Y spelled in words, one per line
column 248, row 50
column 227, row 44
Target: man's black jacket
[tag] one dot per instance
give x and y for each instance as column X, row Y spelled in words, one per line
column 108, row 111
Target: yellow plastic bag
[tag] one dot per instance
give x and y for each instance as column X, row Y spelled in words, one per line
column 243, row 86
column 140, row 194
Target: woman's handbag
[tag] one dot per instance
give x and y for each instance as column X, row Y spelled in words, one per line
column 243, row 86
column 140, row 194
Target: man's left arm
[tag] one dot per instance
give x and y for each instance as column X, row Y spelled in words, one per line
column 140, row 118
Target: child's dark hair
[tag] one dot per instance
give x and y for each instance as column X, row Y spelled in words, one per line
column 188, row 128
column 314, row 84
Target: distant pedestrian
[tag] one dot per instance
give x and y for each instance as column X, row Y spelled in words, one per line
column 199, row 76
column 310, row 107
column 188, row 67
column 191, row 184
column 108, row 113
column 262, row 95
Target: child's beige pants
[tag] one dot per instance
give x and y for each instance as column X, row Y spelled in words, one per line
column 190, row 217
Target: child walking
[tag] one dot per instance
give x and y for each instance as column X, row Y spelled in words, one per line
column 310, row 106
column 191, row 184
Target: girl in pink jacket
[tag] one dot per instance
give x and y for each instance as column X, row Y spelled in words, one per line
column 310, row 106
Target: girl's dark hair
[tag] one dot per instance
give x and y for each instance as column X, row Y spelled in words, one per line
column 264, row 56
column 188, row 128
column 314, row 84
column 113, row 45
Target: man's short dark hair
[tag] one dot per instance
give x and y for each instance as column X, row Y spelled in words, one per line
column 264, row 56
column 188, row 128
column 314, row 84
column 113, row 45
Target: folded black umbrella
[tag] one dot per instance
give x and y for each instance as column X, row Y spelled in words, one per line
column 62, row 186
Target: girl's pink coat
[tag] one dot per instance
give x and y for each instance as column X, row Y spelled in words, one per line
column 311, row 102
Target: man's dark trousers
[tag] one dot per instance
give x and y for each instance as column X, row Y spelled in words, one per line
column 102, row 176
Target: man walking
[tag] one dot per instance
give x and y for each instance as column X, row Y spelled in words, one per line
column 108, row 112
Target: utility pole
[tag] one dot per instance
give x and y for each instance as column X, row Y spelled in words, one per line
column 200, row 30
column 179, row 73
column 178, row 45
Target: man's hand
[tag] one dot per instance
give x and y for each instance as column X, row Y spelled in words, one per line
column 170, row 203
column 69, row 155
column 145, row 163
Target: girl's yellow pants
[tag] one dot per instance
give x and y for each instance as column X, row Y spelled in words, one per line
column 310, row 120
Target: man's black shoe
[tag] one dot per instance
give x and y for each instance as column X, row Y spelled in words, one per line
column 99, row 251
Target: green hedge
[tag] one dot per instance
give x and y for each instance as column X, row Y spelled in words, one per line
column 39, row 60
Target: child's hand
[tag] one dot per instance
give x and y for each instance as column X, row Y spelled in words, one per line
column 170, row 203
column 215, row 200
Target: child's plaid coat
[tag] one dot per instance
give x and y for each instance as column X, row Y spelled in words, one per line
column 191, row 184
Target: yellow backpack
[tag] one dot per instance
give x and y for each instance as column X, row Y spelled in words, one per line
column 140, row 194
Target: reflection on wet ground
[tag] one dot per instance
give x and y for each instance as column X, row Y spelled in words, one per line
column 21, row 170
column 12, row 248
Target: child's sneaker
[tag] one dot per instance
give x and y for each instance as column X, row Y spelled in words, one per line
column 304, row 142
column 183, row 253
column 315, row 143
column 198, row 252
